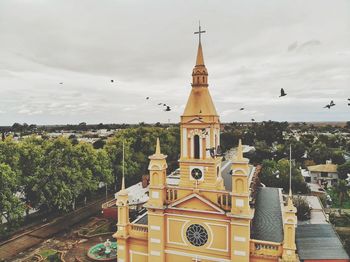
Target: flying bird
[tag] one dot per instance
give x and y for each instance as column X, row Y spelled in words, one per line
column 349, row 101
column 112, row 80
column 331, row 103
column 327, row 106
column 167, row 108
column 160, row 104
column 253, row 119
column 61, row 83
column 293, row 46
column 241, row 109
column 283, row 93
column 147, row 98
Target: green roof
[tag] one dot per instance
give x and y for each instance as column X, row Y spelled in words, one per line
column 267, row 221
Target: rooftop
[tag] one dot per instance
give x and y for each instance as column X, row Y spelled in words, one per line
column 267, row 221
column 327, row 168
column 319, row 241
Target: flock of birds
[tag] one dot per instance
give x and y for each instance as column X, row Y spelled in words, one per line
column 283, row 93
column 167, row 108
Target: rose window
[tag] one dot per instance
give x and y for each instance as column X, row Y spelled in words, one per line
column 197, row 235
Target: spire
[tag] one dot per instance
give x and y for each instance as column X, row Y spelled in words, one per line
column 123, row 190
column 200, row 58
column 158, row 147
column 239, row 154
column 290, row 171
column 157, row 155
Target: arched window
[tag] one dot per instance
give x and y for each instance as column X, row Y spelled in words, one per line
column 196, row 146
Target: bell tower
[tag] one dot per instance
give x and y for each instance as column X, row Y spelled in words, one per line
column 200, row 161
column 289, row 225
column 122, row 234
column 241, row 214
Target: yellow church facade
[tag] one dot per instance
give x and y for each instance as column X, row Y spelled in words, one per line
column 210, row 211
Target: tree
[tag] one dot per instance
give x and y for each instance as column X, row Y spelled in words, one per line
column 276, row 174
column 11, row 207
column 31, row 158
column 343, row 170
column 303, row 208
column 320, row 153
column 59, row 176
column 341, row 189
column 139, row 144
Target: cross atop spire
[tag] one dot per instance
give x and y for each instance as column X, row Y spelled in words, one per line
column 199, row 32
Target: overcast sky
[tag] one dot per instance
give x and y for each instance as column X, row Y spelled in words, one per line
column 251, row 50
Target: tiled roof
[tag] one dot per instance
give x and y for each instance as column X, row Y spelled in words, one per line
column 319, row 241
column 267, row 221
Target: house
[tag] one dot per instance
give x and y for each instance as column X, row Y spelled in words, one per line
column 325, row 174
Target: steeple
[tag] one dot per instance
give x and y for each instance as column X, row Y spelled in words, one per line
column 199, row 72
column 200, row 59
column 200, row 101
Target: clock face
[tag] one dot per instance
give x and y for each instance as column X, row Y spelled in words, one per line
column 196, row 173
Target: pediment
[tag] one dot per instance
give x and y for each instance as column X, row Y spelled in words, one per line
column 197, row 203
column 196, row 120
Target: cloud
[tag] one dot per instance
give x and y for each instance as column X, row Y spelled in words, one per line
column 150, row 51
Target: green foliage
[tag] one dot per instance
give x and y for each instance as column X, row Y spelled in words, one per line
column 303, row 208
column 269, row 177
column 139, row 144
column 340, row 194
column 11, row 207
column 343, row 170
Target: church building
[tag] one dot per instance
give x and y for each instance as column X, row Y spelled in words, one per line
column 212, row 212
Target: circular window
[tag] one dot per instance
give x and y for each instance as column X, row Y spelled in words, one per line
column 197, row 235
column 196, row 173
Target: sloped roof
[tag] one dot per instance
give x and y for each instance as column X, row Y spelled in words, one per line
column 319, row 241
column 267, row 221
column 200, row 103
column 328, row 168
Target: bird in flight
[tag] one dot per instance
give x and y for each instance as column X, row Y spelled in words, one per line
column 112, row 81
column 349, row 101
column 253, row 120
column 61, row 83
column 329, row 105
column 241, row 109
column 147, row 98
column 282, row 92
column 167, row 108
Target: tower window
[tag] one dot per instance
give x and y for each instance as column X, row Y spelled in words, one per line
column 196, row 146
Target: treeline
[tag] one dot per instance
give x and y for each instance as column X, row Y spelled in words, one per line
column 53, row 174
column 83, row 126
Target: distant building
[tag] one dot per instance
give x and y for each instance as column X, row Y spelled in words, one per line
column 325, row 174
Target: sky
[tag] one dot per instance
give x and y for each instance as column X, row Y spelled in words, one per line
column 252, row 49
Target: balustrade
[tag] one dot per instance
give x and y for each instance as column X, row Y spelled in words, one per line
column 265, row 248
